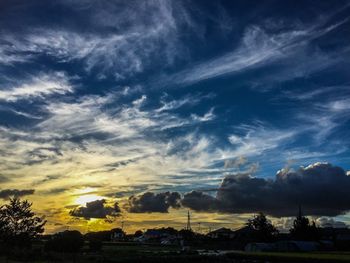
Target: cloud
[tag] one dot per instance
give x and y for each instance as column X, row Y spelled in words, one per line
column 96, row 209
column 187, row 100
column 6, row 193
column 330, row 222
column 340, row 105
column 151, row 202
column 200, row 201
column 96, row 136
column 93, row 115
column 38, row 87
column 123, row 40
column 206, row 117
column 320, row 188
column 235, row 163
column 262, row 46
column 4, row 179
column 259, row 138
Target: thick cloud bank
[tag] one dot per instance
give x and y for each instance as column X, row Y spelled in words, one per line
column 200, row 201
column 6, row 193
column 95, row 209
column 151, row 202
column 320, row 188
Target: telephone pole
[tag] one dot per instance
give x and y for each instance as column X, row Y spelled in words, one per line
column 188, row 227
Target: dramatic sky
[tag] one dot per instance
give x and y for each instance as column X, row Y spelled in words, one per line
column 137, row 111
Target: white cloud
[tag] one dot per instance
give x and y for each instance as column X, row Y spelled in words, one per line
column 258, row 139
column 168, row 105
column 206, row 117
column 149, row 34
column 39, row 86
column 257, row 48
column 340, row 105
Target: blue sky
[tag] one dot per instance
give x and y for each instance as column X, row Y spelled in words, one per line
column 124, row 97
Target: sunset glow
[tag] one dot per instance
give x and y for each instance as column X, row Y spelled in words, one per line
column 133, row 113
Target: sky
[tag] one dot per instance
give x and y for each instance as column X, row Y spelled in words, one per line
column 133, row 112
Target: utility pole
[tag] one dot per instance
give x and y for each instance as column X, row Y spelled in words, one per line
column 188, row 227
column 300, row 214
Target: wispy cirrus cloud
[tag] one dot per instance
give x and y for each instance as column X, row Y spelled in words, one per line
column 149, row 34
column 260, row 47
column 257, row 139
column 38, row 86
column 98, row 136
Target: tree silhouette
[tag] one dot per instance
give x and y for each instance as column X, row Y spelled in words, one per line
column 265, row 231
column 303, row 230
column 18, row 224
column 69, row 241
column 138, row 233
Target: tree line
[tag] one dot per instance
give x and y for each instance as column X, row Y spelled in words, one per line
column 19, row 226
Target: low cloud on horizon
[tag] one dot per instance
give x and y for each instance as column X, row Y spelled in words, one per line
column 320, row 189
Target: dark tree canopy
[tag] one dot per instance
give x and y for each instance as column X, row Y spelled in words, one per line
column 66, row 241
column 265, row 231
column 138, row 233
column 303, row 230
column 18, row 223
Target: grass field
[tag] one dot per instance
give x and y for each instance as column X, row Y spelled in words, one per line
column 112, row 252
column 295, row 256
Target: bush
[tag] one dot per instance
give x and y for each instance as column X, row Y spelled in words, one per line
column 67, row 241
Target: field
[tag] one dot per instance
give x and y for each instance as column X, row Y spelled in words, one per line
column 112, row 252
column 293, row 257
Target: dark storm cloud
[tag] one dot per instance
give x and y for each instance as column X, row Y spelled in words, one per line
column 6, row 193
column 200, row 201
column 321, row 189
column 95, row 209
column 151, row 202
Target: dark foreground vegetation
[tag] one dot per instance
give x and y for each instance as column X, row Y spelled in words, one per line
column 22, row 240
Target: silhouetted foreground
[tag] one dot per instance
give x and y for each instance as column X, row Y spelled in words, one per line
column 259, row 241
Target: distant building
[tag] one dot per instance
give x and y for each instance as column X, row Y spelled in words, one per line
column 221, row 233
column 117, row 234
column 165, row 236
column 245, row 233
column 153, row 234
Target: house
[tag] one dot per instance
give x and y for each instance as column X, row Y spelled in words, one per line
column 117, row 234
column 223, row 233
column 153, row 234
column 163, row 235
column 245, row 233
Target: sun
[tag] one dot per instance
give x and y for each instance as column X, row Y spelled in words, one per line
column 83, row 199
column 85, row 195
